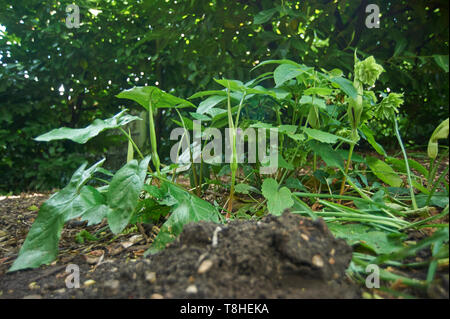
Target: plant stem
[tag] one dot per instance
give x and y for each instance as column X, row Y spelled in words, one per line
column 347, row 166
column 132, row 142
column 155, row 157
column 233, row 133
column 385, row 275
column 408, row 171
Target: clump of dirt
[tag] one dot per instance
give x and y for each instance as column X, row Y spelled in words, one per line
column 279, row 257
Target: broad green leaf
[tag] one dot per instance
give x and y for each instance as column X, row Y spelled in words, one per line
column 441, row 132
column 324, row 137
column 188, row 123
column 401, row 166
column 154, row 191
column 295, row 183
column 307, row 99
column 319, row 91
column 160, row 99
column 200, row 117
column 355, row 157
column 259, row 90
column 285, row 72
column 187, row 208
column 378, row 241
column 278, row 199
column 104, row 171
column 287, row 129
column 313, row 118
column 214, row 113
column 336, row 72
column 330, row 157
column 93, row 205
column 208, row 93
column 234, row 85
column 346, row 86
column 371, row 139
column 384, row 172
column 442, row 61
column 264, row 16
column 439, row 199
column 209, row 103
column 82, row 135
column 280, row 94
column 297, row 137
column 262, row 125
column 74, row 200
column 123, row 193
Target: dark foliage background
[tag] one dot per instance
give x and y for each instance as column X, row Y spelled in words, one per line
column 182, row 45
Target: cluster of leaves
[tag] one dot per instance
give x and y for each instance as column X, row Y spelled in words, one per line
column 316, row 113
column 183, row 46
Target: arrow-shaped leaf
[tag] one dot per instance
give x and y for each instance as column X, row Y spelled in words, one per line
column 74, row 200
column 123, row 193
column 159, row 98
column 82, row 135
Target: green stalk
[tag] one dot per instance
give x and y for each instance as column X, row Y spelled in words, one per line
column 347, row 166
column 350, row 212
column 308, row 210
column 367, row 200
column 354, row 114
column 179, row 147
column 431, row 173
column 132, row 142
column 385, row 275
column 408, row 171
column 233, row 163
column 199, row 189
column 155, row 157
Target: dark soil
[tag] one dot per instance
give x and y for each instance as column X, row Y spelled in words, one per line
column 278, row 257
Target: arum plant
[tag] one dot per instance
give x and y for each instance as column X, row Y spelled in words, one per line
column 388, row 109
column 114, row 201
column 366, row 73
column 150, row 98
column 234, row 91
column 441, row 132
column 232, row 133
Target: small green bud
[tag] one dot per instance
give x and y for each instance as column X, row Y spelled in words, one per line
column 441, row 132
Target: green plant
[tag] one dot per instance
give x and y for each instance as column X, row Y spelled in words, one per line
column 309, row 109
column 117, row 201
column 365, row 73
